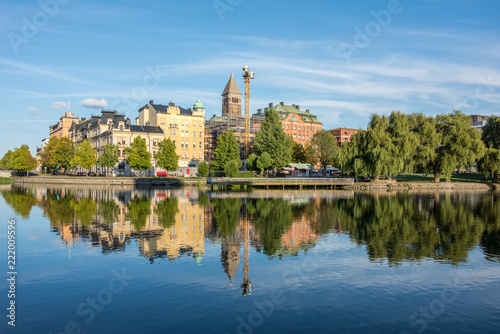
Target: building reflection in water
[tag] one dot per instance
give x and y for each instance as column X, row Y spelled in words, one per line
column 175, row 223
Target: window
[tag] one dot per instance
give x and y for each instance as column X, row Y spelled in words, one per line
column 295, row 126
column 194, row 144
column 194, row 134
column 182, row 133
column 287, row 126
column 121, row 127
column 307, row 137
column 283, row 126
column 187, row 134
column 299, row 127
column 174, row 143
column 182, row 144
column 174, row 133
column 307, row 128
column 201, row 145
column 294, row 136
column 201, row 134
column 154, row 153
column 300, row 136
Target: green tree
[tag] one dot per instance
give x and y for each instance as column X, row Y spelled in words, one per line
column 428, row 137
column 263, row 162
column 491, row 132
column 22, row 160
column 5, row 162
column 166, row 157
column 166, row 211
column 460, row 146
column 62, row 154
column 326, row 147
column 252, row 161
column 109, row 156
column 351, row 156
column 491, row 138
column 405, row 141
column 138, row 156
column 298, row 152
column 273, row 140
column 231, row 168
column 310, row 155
column 48, row 153
column 227, row 150
column 490, row 163
column 85, row 155
column 203, row 168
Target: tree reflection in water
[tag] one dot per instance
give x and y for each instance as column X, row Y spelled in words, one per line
column 395, row 227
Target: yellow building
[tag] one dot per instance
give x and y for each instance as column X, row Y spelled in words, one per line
column 185, row 127
column 61, row 128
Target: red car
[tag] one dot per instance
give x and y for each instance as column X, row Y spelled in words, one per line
column 80, row 174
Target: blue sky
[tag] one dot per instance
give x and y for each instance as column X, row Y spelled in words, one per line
column 342, row 60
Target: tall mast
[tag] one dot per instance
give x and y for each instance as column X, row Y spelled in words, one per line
column 247, row 75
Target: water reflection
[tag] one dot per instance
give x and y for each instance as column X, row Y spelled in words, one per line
column 170, row 224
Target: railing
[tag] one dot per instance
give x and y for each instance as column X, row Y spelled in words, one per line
column 279, row 180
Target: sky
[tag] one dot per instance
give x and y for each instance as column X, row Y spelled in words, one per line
column 343, row 60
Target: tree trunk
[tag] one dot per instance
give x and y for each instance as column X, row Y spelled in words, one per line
column 437, row 177
column 376, row 178
column 495, row 177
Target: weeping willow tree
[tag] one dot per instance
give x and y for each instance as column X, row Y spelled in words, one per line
column 460, row 144
column 491, row 138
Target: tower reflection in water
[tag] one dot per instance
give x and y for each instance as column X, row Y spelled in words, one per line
column 171, row 224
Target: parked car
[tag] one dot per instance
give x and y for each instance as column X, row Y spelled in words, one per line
column 92, row 174
column 80, row 174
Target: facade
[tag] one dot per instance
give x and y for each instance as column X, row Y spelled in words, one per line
column 479, row 121
column 298, row 124
column 185, row 127
column 112, row 128
column 231, row 120
column 61, row 128
column 343, row 134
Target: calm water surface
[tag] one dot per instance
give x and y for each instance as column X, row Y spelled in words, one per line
column 124, row 260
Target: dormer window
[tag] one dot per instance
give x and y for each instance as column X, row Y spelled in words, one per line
column 121, row 127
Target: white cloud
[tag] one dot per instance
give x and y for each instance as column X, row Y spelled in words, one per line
column 94, row 103
column 59, row 105
column 34, row 111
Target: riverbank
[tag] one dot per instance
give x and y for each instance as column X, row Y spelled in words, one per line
column 121, row 181
column 179, row 182
column 403, row 186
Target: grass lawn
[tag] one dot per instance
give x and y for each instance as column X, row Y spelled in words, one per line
column 463, row 177
column 6, row 180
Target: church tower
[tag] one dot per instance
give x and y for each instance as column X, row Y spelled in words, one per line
column 231, row 99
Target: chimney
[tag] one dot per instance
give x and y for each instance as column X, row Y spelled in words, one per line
column 307, row 111
column 151, row 101
column 282, row 104
column 171, row 104
column 271, row 105
column 298, row 107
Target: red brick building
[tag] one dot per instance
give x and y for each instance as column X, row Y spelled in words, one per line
column 298, row 124
column 343, row 134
